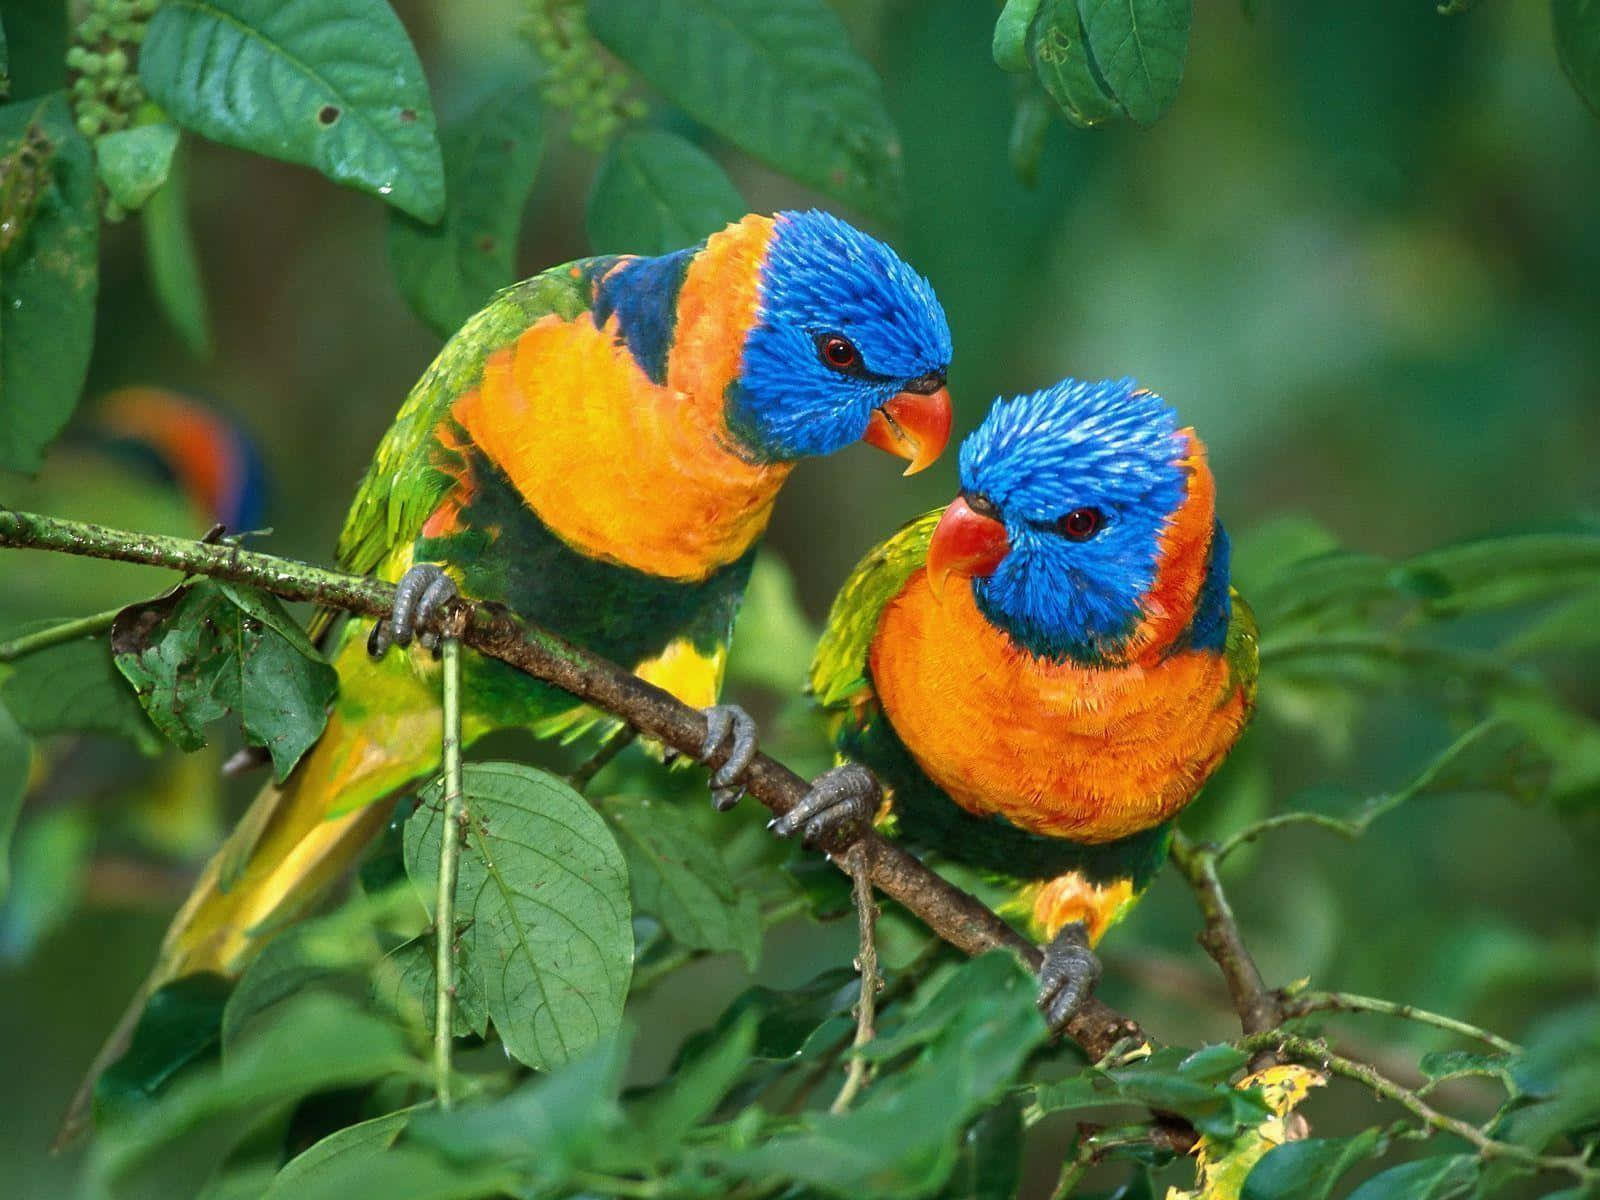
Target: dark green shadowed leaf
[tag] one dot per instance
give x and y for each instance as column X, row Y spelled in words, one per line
column 449, row 271
column 781, row 81
column 173, row 262
column 330, row 84
column 49, row 273
column 680, row 878
column 401, row 1172
column 1138, row 48
column 14, row 760
column 133, row 163
column 206, row 649
column 355, row 1144
column 542, row 905
column 1059, row 50
column 656, row 193
column 181, row 1025
column 1308, row 1169
column 692, row 1091
column 1425, row 1179
column 1577, row 31
column 74, row 688
column 989, row 1160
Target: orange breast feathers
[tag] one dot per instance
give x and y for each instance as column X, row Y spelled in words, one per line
column 1088, row 754
column 622, row 469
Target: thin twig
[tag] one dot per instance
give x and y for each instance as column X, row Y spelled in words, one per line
column 1304, row 1003
column 615, row 744
column 65, row 631
column 867, row 963
column 444, row 920
column 1258, row 1007
column 1317, row 1053
column 953, row 914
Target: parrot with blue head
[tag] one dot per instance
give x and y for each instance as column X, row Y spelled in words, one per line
column 598, row 450
column 1044, row 673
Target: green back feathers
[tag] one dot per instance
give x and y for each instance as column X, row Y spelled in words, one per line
column 1243, row 648
column 839, row 667
column 401, row 487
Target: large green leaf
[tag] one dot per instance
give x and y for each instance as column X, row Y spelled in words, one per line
column 1577, row 30
column 1308, row 1169
column 74, row 687
column 779, row 80
column 1138, row 48
column 208, row 648
column 173, row 262
column 15, row 757
column 1058, row 47
column 680, row 878
column 359, row 1145
column 542, row 902
column 409, row 989
column 133, row 163
column 49, row 272
column 330, row 84
column 655, row 193
column 1426, row 1179
column 180, row 1026
column 52, row 863
column 1193, row 1085
column 1497, row 572
column 400, row 1172
column 449, row 271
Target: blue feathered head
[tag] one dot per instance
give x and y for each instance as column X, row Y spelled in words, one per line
column 1084, row 478
column 850, row 343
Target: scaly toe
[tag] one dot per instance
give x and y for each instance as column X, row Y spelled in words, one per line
column 839, row 799
column 1068, row 975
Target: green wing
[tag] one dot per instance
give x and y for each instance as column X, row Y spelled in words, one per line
column 1243, row 648
column 839, row 667
column 401, row 487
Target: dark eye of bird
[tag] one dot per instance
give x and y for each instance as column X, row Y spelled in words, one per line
column 838, row 353
column 1081, row 524
column 982, row 505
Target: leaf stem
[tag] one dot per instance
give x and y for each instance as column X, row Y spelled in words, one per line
column 867, row 963
column 55, row 635
column 1317, row 1053
column 1305, row 1003
column 444, row 923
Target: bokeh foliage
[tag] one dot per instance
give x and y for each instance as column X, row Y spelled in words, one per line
column 1354, row 246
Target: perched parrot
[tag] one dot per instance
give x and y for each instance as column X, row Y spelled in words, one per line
column 1044, row 672
column 598, row 450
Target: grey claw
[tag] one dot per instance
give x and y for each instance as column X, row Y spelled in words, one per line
column 728, row 723
column 422, row 591
column 839, row 799
column 1068, row 975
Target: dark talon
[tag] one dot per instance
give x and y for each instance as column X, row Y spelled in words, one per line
column 1068, row 975
column 728, row 723
column 840, row 799
column 418, row 598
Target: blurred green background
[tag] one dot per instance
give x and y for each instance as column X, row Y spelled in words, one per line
column 1360, row 257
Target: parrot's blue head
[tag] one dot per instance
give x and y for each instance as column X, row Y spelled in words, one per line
column 849, row 344
column 1066, row 495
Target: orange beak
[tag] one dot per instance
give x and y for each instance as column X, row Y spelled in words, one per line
column 964, row 543
column 915, row 425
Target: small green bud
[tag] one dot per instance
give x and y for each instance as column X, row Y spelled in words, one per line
column 75, row 57
column 117, row 63
column 93, row 64
column 89, row 125
column 92, row 28
column 83, row 87
column 114, row 212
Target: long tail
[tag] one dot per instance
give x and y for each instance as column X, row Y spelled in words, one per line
column 283, row 855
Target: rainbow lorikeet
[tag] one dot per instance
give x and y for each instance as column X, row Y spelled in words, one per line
column 598, row 450
column 1044, row 672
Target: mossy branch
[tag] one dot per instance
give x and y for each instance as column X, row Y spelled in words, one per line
column 954, row 915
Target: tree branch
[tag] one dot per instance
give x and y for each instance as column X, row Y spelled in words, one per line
column 951, row 913
column 1304, row 1003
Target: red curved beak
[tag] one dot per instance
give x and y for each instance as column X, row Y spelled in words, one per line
column 915, row 425
column 964, row 543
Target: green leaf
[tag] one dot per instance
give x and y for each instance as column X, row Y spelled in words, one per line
column 401, row 1172
column 1010, row 45
column 1502, row 571
column 772, row 637
column 330, row 84
column 361, row 1144
column 778, row 80
column 288, row 964
column 449, row 271
column 16, row 757
column 313, row 1043
column 1308, row 1169
column 989, row 1159
column 133, row 163
column 655, row 193
column 180, row 1026
column 52, row 862
column 693, row 1091
column 173, row 262
column 1194, row 1086
column 1425, row 1179
column 74, row 688
column 681, row 878
column 1138, row 47
column 49, row 272
column 1441, row 1065
column 208, row 648
column 410, row 988
column 1059, row 51
column 542, row 902
column 1577, row 31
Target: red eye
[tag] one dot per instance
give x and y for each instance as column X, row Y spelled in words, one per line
column 839, row 353
column 1081, row 524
